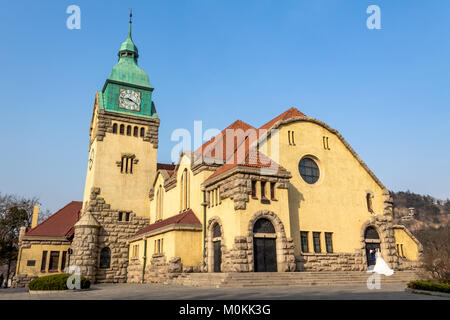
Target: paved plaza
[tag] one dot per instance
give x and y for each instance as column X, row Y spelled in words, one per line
column 388, row 291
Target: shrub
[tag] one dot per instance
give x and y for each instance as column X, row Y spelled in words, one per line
column 429, row 286
column 55, row 282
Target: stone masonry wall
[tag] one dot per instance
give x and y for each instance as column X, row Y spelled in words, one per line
column 113, row 234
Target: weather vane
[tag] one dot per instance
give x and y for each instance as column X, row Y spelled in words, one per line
column 131, row 14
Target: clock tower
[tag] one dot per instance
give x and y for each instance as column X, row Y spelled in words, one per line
column 121, row 168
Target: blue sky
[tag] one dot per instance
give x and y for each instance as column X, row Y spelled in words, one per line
column 386, row 91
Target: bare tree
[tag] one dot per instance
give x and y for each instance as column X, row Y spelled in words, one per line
column 15, row 212
column 436, row 253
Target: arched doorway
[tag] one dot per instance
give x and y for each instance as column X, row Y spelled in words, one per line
column 264, row 246
column 372, row 241
column 217, row 247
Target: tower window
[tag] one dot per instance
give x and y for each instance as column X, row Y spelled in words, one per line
column 135, row 131
column 142, row 132
column 105, row 258
column 128, row 130
column 122, row 129
column 126, row 163
column 114, row 128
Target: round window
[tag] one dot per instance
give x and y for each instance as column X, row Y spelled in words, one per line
column 309, row 170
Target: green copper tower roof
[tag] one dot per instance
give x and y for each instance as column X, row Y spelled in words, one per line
column 127, row 69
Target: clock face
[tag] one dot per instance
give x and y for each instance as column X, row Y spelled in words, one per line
column 130, row 100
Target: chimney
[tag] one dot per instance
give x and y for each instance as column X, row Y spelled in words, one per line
column 34, row 220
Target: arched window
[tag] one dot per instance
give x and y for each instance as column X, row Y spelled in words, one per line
column 115, row 128
column 135, row 131
column 263, row 225
column 159, row 203
column 371, row 233
column 128, row 130
column 184, row 190
column 142, row 132
column 122, row 129
column 216, row 231
column 105, row 258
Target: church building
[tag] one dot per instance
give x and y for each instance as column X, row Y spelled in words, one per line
column 289, row 196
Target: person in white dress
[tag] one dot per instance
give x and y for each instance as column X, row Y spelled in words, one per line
column 381, row 266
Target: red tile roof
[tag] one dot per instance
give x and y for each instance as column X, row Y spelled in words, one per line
column 290, row 113
column 186, row 217
column 207, row 150
column 251, row 158
column 60, row 224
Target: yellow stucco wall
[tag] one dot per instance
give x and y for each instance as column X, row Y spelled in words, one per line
column 35, row 253
column 409, row 247
column 337, row 201
column 181, row 243
column 127, row 192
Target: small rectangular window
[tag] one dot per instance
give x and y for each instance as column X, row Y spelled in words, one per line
column 263, row 190
column 329, row 241
column 63, row 260
column 316, row 242
column 120, row 216
column 127, row 216
column 272, row 191
column 293, row 141
column 289, row 137
column 369, row 202
column 254, row 189
column 44, row 261
column 304, row 241
column 31, row 263
column 162, row 243
column 54, row 259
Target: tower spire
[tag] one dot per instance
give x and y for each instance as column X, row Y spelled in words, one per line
column 129, row 30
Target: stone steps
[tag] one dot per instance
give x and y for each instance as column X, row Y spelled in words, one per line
column 263, row 279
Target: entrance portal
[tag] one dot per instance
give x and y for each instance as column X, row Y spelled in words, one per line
column 372, row 240
column 217, row 243
column 264, row 246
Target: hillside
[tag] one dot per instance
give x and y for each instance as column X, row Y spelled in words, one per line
column 418, row 212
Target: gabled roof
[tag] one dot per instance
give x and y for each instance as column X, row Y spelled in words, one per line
column 60, row 224
column 290, row 113
column 208, row 148
column 251, row 158
column 169, row 168
column 187, row 217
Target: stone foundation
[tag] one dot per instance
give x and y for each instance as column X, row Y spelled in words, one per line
column 22, row 280
column 330, row 262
